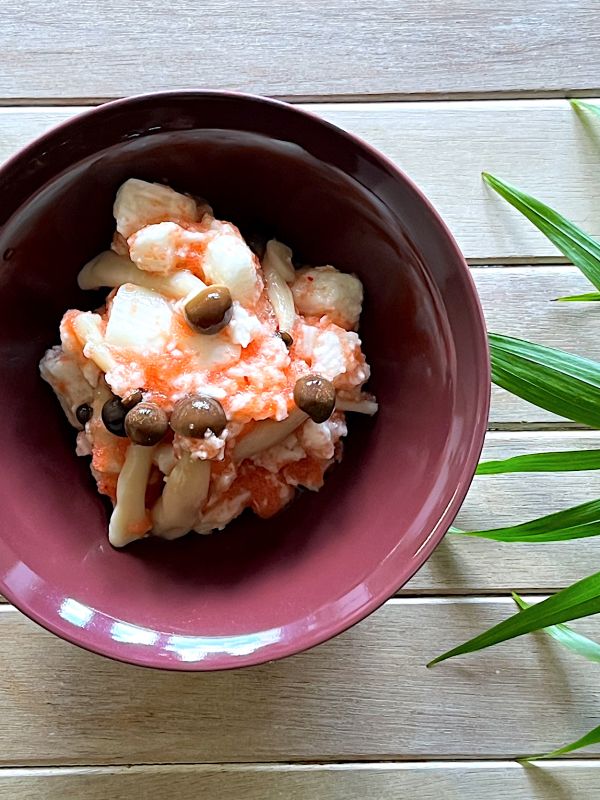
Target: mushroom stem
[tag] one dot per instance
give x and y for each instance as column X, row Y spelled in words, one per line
column 359, row 406
column 177, row 510
column 279, row 292
column 110, row 269
column 268, row 433
column 130, row 520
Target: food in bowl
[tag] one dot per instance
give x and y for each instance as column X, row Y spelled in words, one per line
column 216, row 375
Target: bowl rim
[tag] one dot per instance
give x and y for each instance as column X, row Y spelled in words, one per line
column 113, row 650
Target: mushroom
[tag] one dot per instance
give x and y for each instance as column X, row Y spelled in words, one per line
column 315, row 396
column 210, row 310
column 195, row 415
column 146, row 424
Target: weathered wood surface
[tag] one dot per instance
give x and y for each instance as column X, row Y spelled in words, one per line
column 85, row 49
column 444, row 146
column 365, row 695
column 362, row 709
column 411, row 781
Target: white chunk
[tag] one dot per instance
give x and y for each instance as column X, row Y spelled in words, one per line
column 212, row 351
column 139, row 319
column 88, row 329
column 328, row 358
column 279, row 292
column 209, row 447
column 319, row 439
column 243, row 327
column 109, row 269
column 139, row 203
column 177, row 510
column 64, row 375
column 320, row 291
column 156, row 248
column 229, row 260
column 129, row 520
column 83, row 446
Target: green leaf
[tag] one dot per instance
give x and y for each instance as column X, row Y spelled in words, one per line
column 552, row 379
column 567, row 636
column 577, row 522
column 563, row 461
column 593, row 737
column 576, row 245
column 582, row 105
column 579, row 600
column 591, row 297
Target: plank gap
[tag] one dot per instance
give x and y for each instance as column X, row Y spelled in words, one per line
column 341, row 97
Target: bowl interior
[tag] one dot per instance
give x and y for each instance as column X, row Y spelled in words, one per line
column 262, row 588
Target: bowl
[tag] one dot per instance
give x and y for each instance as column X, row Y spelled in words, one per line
column 262, row 589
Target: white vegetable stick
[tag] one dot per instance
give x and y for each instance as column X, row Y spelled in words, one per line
column 369, row 407
column 279, row 257
column 178, row 508
column 110, row 269
column 279, row 292
column 268, row 433
column 87, row 330
column 128, row 521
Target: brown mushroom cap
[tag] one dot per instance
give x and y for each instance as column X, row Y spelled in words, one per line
column 113, row 416
column 210, row 310
column 195, row 415
column 315, row 396
column 84, row 413
column 146, row 424
column 132, row 399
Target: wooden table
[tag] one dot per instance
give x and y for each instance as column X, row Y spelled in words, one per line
column 446, row 90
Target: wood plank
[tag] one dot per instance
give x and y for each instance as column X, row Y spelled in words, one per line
column 412, row 781
column 429, row 141
column 473, row 566
column 364, row 695
column 517, row 301
column 90, row 49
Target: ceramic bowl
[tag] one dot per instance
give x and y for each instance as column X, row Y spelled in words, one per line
column 262, row 589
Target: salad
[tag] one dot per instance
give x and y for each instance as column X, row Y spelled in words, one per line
column 215, row 377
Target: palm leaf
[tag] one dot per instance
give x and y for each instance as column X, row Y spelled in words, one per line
column 579, row 105
column 562, row 461
column 567, row 636
column 593, row 737
column 574, row 243
column 565, row 384
column 577, row 522
column 579, row 600
column 591, row 297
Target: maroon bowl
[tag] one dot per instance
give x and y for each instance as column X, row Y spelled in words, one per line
column 261, row 589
